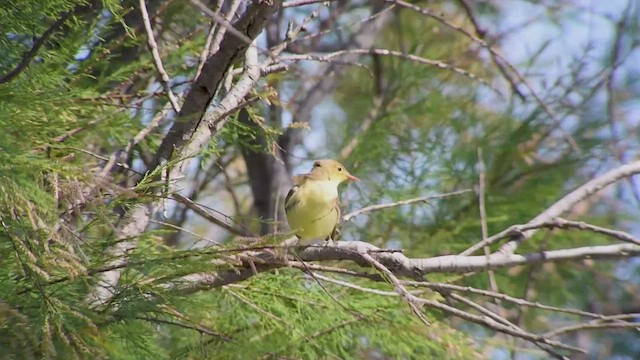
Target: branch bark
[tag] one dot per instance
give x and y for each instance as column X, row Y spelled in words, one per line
column 401, row 265
column 186, row 136
column 213, row 72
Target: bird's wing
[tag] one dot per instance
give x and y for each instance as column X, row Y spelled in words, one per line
column 335, row 232
column 291, row 200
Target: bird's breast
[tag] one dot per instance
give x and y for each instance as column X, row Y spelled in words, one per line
column 320, row 192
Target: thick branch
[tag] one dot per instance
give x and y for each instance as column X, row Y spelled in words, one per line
column 400, row 265
column 186, row 137
column 213, row 72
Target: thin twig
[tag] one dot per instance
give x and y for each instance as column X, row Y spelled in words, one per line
column 557, row 209
column 200, row 210
column 204, row 54
column 180, row 228
column 370, row 208
column 346, row 26
column 216, row 34
column 592, row 326
column 357, row 287
column 288, row 4
column 198, row 328
column 416, row 307
column 501, row 319
column 222, row 21
column 483, row 218
column 504, row 297
column 153, row 46
column 386, row 52
column 500, row 61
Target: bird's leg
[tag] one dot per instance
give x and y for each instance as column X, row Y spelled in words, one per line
column 329, row 241
column 281, row 253
column 332, row 238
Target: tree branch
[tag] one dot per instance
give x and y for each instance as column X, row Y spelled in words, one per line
column 400, row 265
column 502, row 64
column 39, row 42
column 560, row 207
column 393, row 53
column 186, row 137
column 153, row 47
column 213, row 72
column 426, row 198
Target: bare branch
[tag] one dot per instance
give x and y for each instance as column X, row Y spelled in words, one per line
column 397, row 285
column 560, row 207
column 400, row 265
column 501, row 62
column 153, row 46
column 222, row 21
column 580, row 225
column 204, row 53
column 295, row 3
column 200, row 210
column 386, row 52
column 212, row 43
column 404, row 266
column 370, row 208
column 593, row 326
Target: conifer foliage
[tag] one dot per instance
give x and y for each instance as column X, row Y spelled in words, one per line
column 146, row 148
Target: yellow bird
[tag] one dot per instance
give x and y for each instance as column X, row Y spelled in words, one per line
column 312, row 205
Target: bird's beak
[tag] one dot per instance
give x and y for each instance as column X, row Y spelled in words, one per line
column 352, row 178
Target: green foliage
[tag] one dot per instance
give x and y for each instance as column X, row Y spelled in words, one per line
column 74, row 106
column 285, row 314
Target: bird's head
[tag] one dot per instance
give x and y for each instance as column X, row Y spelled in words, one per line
column 331, row 170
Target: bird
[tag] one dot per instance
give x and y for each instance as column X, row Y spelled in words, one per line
column 312, row 205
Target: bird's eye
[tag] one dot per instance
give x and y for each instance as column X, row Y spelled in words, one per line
column 316, row 165
column 339, row 168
